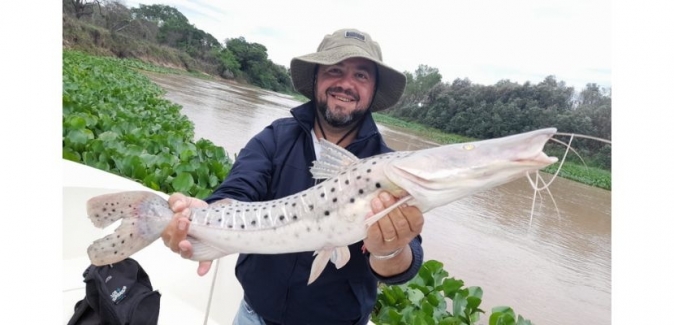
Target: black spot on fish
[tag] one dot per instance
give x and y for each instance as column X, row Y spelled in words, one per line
column 294, row 204
column 117, row 236
column 305, row 194
column 122, row 241
column 104, row 209
column 377, row 185
column 369, row 170
column 129, row 205
column 322, row 194
column 358, row 177
column 374, row 162
column 332, row 189
column 336, row 180
column 113, row 210
column 327, row 213
column 360, row 191
column 253, row 222
column 113, row 244
column 190, row 218
column 346, row 182
column 352, row 200
column 311, row 206
column 266, row 216
column 281, row 218
column 294, row 217
column 355, row 169
column 208, row 223
column 247, row 210
column 308, row 229
column 227, row 213
column 237, row 211
column 367, row 179
column 334, row 200
column 286, row 203
column 219, row 219
column 273, row 206
column 229, row 226
column 217, row 210
column 115, row 252
column 131, row 235
column 243, row 226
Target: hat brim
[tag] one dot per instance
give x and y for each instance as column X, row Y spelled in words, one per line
column 390, row 85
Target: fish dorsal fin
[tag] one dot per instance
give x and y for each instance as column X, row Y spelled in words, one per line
column 334, row 159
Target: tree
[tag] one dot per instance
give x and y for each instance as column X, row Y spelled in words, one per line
column 81, row 8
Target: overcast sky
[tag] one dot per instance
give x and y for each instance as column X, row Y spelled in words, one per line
column 484, row 41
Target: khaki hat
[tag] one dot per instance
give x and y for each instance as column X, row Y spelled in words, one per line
column 341, row 45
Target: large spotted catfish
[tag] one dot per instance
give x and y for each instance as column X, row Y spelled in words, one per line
column 330, row 216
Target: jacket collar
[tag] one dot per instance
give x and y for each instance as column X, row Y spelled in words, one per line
column 306, row 113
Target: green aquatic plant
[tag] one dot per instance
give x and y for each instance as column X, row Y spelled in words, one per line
column 432, row 298
column 116, row 120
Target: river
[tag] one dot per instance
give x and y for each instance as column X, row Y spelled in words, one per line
column 553, row 268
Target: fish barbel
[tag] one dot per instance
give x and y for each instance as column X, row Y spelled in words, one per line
column 328, row 217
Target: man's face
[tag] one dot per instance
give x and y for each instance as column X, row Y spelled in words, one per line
column 345, row 90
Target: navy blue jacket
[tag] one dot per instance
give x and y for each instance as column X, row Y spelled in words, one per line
column 274, row 164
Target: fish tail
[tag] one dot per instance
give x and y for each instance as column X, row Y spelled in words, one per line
column 144, row 216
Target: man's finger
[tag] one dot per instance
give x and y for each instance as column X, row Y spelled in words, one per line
column 204, row 267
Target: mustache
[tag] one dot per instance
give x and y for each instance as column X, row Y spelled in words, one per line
column 340, row 90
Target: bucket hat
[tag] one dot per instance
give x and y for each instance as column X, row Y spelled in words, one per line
column 341, row 45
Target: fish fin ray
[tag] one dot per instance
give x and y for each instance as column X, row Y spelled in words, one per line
column 202, row 251
column 340, row 256
column 320, row 261
column 374, row 218
column 334, row 159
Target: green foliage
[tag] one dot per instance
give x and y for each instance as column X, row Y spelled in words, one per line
column 116, row 120
column 431, row 297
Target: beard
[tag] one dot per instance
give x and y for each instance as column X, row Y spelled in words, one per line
column 337, row 119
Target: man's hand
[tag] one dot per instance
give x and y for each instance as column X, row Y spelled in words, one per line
column 392, row 232
column 175, row 234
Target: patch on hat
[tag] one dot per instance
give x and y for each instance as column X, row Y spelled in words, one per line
column 356, row 35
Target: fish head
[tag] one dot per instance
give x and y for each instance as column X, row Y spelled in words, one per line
column 440, row 175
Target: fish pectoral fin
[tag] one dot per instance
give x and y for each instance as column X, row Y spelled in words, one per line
column 374, row 218
column 338, row 256
column 203, row 251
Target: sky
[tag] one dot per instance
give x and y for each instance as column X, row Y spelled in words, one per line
column 636, row 55
column 484, row 41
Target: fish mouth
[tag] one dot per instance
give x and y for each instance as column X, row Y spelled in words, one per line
column 539, row 159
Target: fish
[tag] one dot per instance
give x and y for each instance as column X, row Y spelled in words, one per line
column 329, row 216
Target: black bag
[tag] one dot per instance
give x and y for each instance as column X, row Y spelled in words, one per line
column 117, row 294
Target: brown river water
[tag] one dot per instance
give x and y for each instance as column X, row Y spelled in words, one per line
column 554, row 270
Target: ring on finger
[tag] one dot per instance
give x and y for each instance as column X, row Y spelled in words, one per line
column 388, row 240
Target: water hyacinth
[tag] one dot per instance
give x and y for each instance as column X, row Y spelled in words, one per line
column 116, row 120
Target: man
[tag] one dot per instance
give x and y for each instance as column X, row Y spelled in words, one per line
column 346, row 80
